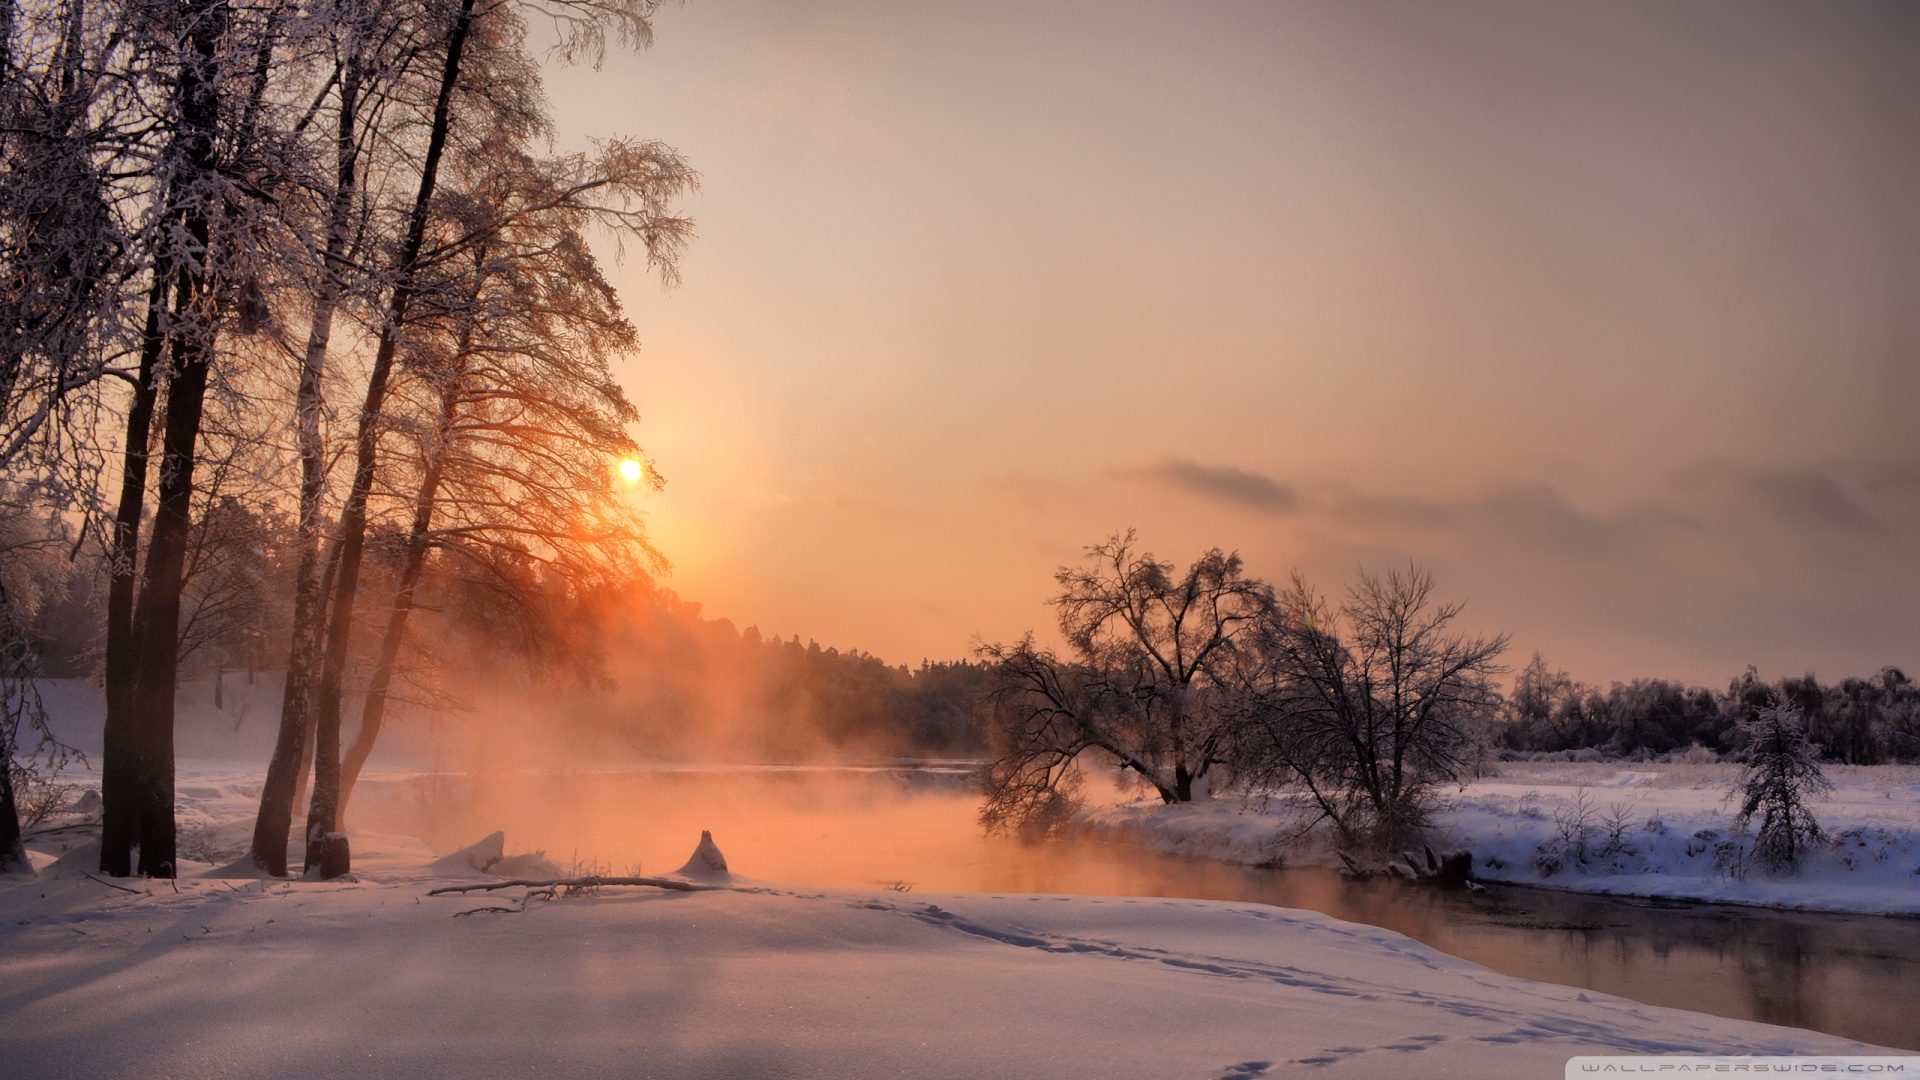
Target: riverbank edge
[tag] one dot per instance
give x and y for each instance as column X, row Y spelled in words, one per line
column 1243, row 832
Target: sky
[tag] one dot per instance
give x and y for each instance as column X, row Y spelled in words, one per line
column 1608, row 314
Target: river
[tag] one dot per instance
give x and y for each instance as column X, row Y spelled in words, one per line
column 915, row 830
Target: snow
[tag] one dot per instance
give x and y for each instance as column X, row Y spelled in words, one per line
column 473, row 860
column 1679, row 840
column 236, row 975
column 373, row 977
column 706, row 864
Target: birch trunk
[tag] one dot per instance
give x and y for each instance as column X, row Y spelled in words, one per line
column 322, row 814
column 293, row 747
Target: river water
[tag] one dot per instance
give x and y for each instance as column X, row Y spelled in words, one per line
column 1855, row 976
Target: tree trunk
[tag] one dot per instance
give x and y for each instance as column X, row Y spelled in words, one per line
column 118, row 820
column 156, row 621
column 6, row 42
column 303, row 784
column 16, row 709
column 322, row 815
column 156, row 617
column 12, row 852
column 293, row 747
column 303, row 780
column 374, row 710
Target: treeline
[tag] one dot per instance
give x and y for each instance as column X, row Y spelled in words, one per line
column 1869, row 720
column 679, row 684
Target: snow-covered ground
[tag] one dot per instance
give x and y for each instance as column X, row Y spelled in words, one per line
column 1656, row 829
column 218, row 977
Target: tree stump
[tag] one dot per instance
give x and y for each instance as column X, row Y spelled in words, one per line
column 334, row 857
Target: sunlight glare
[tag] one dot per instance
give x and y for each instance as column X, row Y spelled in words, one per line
column 630, row 470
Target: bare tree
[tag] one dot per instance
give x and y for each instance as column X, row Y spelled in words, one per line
column 1370, row 706
column 1155, row 656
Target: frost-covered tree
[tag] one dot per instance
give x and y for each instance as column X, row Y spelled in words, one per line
column 1371, row 705
column 486, row 82
column 1154, row 653
column 1780, row 777
column 516, row 416
column 378, row 58
column 221, row 225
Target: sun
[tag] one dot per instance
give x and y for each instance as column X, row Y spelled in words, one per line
column 630, row 470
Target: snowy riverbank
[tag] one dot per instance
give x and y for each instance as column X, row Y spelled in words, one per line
column 1654, row 830
column 373, row 977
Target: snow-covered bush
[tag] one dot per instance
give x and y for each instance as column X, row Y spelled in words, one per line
column 1574, row 820
column 1730, row 857
column 1695, row 755
column 1587, row 839
column 1781, row 774
column 1573, row 827
column 1615, row 823
column 1864, row 844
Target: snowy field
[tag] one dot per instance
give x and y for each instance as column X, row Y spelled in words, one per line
column 220, row 977
column 233, row 976
column 1655, row 830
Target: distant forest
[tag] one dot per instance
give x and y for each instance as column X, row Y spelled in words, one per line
column 1856, row 720
column 632, row 663
column 684, row 685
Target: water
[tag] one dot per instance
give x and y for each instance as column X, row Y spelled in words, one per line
column 915, row 829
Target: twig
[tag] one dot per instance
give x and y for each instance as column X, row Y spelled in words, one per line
column 674, row 884
column 111, row 885
column 38, row 831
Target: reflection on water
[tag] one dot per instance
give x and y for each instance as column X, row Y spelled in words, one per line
column 1851, row 976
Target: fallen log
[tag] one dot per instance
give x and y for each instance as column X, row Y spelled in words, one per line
column 590, row 882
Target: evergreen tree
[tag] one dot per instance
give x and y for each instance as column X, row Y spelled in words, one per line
column 1782, row 774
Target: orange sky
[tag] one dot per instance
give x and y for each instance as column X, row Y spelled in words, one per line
column 1609, row 313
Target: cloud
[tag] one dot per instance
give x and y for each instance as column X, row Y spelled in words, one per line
column 1222, row 483
column 1538, row 515
column 1720, row 565
column 1806, row 498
